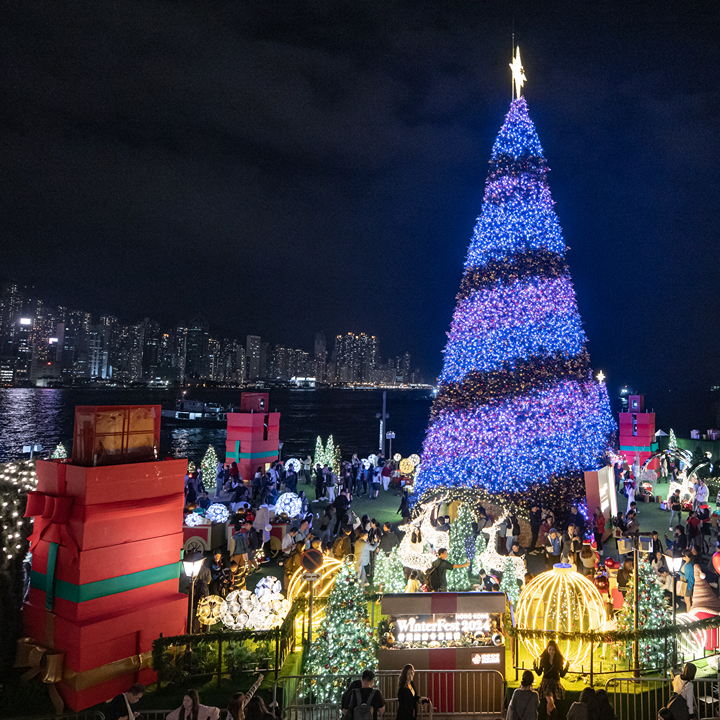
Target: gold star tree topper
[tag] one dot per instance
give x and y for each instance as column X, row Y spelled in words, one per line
column 518, row 75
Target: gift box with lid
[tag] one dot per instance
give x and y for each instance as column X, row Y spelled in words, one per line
column 106, row 552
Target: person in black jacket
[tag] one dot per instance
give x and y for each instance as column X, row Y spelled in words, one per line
column 408, row 697
column 124, row 706
column 552, row 666
column 535, row 523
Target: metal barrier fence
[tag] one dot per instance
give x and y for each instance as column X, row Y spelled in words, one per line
column 87, row 715
column 639, row 698
column 451, row 692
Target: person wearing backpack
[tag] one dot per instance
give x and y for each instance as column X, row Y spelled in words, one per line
column 682, row 704
column 364, row 702
column 436, row 576
column 525, row 701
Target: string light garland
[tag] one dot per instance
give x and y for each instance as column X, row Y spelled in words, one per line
column 518, row 408
column 16, row 480
column 492, row 387
column 539, row 263
column 565, row 603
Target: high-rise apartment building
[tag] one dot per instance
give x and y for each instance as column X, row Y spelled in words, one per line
column 197, row 360
column 252, row 354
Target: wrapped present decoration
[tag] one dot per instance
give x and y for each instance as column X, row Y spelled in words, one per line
column 106, row 555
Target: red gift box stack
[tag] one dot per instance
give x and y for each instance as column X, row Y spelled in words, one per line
column 111, row 563
column 253, row 435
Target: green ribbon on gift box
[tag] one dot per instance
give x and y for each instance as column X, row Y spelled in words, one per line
column 102, row 588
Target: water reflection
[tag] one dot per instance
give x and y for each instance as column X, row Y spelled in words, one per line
column 46, row 416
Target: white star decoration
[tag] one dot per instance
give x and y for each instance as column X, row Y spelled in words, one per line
column 518, row 75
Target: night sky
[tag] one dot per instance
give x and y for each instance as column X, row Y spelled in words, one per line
column 288, row 167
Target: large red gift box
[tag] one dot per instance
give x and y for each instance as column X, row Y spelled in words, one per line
column 112, row 483
column 100, row 642
column 107, row 541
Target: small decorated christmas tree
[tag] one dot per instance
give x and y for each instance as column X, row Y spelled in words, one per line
column 480, row 547
column 509, row 583
column 672, row 442
column 330, row 455
column 389, row 572
column 653, row 613
column 460, row 530
column 59, row 452
column 344, row 643
column 208, row 465
column 319, row 453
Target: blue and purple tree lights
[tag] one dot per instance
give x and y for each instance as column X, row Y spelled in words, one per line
column 518, row 407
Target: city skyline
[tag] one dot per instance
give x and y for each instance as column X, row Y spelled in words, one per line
column 43, row 345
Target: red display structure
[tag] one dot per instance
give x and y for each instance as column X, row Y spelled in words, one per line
column 637, row 432
column 253, row 435
column 453, row 632
column 106, row 554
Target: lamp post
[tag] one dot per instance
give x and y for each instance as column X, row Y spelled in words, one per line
column 674, row 562
column 192, row 563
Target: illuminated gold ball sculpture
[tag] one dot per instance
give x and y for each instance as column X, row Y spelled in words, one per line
column 561, row 600
column 407, row 467
column 210, row 609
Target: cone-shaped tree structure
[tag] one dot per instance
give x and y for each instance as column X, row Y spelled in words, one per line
column 517, row 403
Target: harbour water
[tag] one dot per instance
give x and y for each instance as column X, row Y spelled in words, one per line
column 45, row 416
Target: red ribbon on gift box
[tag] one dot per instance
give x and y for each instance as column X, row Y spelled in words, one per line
column 51, row 513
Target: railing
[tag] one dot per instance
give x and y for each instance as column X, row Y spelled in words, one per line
column 87, row 715
column 639, row 698
column 451, row 692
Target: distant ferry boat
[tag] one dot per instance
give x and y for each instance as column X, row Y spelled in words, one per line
column 196, row 412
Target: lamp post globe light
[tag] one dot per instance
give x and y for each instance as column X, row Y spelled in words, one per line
column 192, row 562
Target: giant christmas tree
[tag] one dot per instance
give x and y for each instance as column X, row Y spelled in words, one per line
column 517, row 403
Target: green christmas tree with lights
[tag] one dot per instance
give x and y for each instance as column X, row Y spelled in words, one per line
column 59, row 452
column 460, row 530
column 331, row 455
column 208, row 465
column 653, row 613
column 319, row 453
column 509, row 583
column 672, row 441
column 480, row 547
column 389, row 572
column 344, row 643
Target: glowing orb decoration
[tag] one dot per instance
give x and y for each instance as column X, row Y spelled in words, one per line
column 407, row 467
column 288, row 503
column 691, row 644
column 293, row 463
column 211, row 609
column 194, row 519
column 414, row 459
column 561, row 600
column 366, row 463
column 267, row 585
column 299, row 588
column 246, row 610
column 397, row 457
column 217, row 513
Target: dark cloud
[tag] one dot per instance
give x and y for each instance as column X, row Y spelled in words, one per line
column 286, row 167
